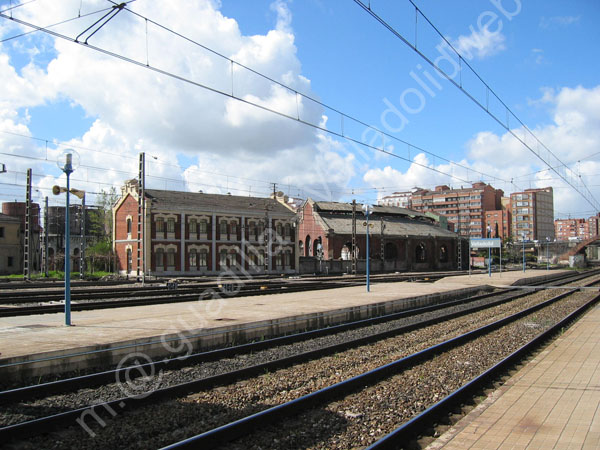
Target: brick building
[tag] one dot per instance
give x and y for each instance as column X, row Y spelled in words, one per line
column 576, row 229
column 402, row 239
column 464, row 208
column 196, row 233
column 533, row 214
column 499, row 223
column 18, row 210
column 11, row 249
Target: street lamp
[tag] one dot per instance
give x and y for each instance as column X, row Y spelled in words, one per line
column 523, row 238
column 67, row 162
column 367, row 210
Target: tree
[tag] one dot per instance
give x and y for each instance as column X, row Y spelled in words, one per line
column 101, row 226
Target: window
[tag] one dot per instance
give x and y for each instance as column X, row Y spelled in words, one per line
column 279, row 230
column 278, row 259
column 223, row 228
column 287, row 230
column 129, row 225
column 443, row 254
column 223, row 258
column 232, row 258
column 160, row 225
column 1, row 232
column 10, row 261
column 233, row 229
column 129, row 260
column 193, row 258
column 203, row 227
column 287, row 258
column 203, row 258
column 420, row 253
column 193, row 226
column 171, row 257
column 171, row 225
column 251, row 230
column 160, row 258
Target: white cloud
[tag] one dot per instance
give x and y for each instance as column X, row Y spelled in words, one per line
column 573, row 136
column 480, row 43
column 140, row 110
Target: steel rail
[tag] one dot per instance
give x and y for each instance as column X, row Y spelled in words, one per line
column 408, row 430
column 178, row 361
column 249, row 424
column 107, row 409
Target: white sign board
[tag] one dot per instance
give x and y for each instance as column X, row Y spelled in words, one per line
column 486, row 243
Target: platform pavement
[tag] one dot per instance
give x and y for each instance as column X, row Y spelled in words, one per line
column 553, row 402
column 28, row 335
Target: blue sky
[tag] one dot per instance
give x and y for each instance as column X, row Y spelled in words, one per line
column 538, row 56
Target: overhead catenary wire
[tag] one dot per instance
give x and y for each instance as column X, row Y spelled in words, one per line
column 367, row 7
column 342, row 135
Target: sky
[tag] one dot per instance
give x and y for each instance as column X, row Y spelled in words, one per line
column 315, row 96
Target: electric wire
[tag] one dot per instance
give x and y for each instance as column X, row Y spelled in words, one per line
column 592, row 201
column 265, row 108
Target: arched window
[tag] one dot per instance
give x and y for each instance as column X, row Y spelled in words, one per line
column 279, row 230
column 287, row 231
column 129, row 260
column 233, row 229
column 223, row 258
column 193, row 226
column 129, row 225
column 203, row 226
column 307, row 248
column 170, row 225
column 193, row 258
column 160, row 225
column 421, row 253
column 223, row 228
column 160, row 258
column 443, row 254
column 171, row 257
column 232, row 258
column 203, row 258
column 301, row 247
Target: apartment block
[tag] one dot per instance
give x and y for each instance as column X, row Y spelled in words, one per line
column 498, row 223
column 533, row 214
column 398, row 199
column 576, row 229
column 465, row 208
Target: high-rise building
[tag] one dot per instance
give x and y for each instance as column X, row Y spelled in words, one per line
column 398, row 199
column 533, row 214
column 464, row 208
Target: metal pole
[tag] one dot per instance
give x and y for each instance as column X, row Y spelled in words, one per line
column 46, row 225
column 68, row 171
column 547, row 259
column 523, row 253
column 368, row 284
column 82, row 253
column 489, row 261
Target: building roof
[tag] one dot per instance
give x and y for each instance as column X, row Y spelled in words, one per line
column 201, row 202
column 6, row 218
column 394, row 226
column 336, row 207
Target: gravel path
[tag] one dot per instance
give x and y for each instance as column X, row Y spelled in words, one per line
column 329, row 427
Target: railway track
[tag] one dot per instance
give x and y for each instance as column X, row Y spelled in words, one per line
column 31, row 302
column 429, row 320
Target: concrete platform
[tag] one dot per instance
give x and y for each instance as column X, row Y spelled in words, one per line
column 552, row 403
column 47, row 345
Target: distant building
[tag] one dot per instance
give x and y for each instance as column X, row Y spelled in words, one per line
column 400, row 239
column 195, row 233
column 498, row 223
column 464, row 208
column 576, row 229
column 11, row 249
column 398, row 199
column 533, row 214
column 18, row 210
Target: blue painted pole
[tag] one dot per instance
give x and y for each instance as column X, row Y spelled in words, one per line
column 67, row 169
column 368, row 284
column 489, row 261
column 523, row 254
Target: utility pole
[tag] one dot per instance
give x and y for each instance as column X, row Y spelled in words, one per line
column 27, row 238
column 46, row 226
column 83, row 231
column 274, row 190
column 382, row 245
column 141, row 254
column 353, row 237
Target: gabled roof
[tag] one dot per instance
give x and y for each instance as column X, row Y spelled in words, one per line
column 201, row 202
